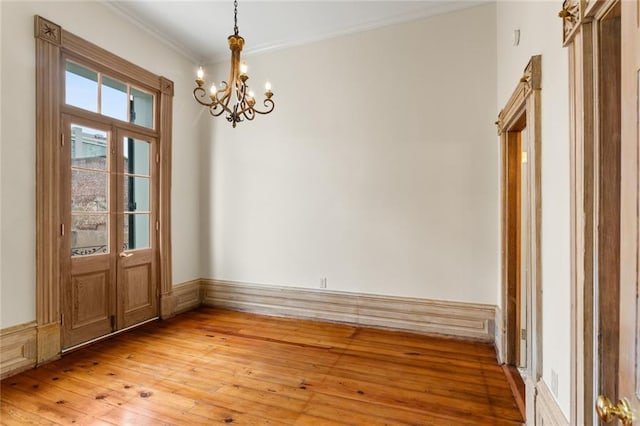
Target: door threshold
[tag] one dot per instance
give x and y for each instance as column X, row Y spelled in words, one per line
column 106, row 336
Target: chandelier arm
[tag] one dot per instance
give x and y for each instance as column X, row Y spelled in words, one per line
column 249, row 113
column 214, row 113
column 199, row 93
column 267, row 103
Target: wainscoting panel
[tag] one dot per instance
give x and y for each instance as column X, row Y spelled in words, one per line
column 468, row 320
column 548, row 413
column 17, row 349
column 187, row 296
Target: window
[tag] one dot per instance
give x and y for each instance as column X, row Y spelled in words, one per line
column 97, row 92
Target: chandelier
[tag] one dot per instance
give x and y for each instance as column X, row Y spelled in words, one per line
column 234, row 97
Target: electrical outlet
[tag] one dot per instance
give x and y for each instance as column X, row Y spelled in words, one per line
column 554, row 382
column 323, row 283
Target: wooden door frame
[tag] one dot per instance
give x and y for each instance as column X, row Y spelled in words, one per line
column 524, row 106
column 591, row 220
column 629, row 386
column 52, row 42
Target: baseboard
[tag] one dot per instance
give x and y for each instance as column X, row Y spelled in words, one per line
column 466, row 320
column 17, row 349
column 187, row 296
column 548, row 412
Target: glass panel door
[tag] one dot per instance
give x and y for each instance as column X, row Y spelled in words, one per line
column 109, row 184
column 88, row 212
column 137, row 205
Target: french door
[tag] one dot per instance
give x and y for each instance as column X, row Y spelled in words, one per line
column 109, row 204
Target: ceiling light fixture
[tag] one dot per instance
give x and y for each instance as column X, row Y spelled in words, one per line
column 234, row 97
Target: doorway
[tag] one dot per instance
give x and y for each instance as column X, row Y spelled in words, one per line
column 109, row 203
column 519, row 129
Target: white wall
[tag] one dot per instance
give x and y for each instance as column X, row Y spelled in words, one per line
column 541, row 33
column 378, row 168
column 100, row 25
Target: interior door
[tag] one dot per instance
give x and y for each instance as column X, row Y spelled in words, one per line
column 628, row 399
column 109, row 184
column 137, row 224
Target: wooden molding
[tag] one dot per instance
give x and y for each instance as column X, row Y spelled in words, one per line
column 523, row 109
column 49, row 343
column 531, row 80
column 166, row 86
column 548, row 411
column 47, row 31
column 187, row 296
column 571, row 14
column 17, row 349
column 498, row 335
column 167, row 305
column 465, row 320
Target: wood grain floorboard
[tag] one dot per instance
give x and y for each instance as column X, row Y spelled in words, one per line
column 213, row 366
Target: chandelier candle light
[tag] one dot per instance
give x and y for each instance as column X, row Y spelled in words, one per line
column 234, row 97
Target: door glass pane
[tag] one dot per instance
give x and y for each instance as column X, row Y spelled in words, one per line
column 136, row 157
column 89, row 234
column 141, row 108
column 81, row 87
column 136, row 231
column 113, row 98
column 89, row 191
column 88, row 148
column 136, row 194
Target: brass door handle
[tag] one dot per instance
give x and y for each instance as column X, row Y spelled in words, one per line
column 607, row 411
column 123, row 254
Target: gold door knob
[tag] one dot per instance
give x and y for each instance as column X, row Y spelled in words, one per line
column 607, row 411
column 125, row 254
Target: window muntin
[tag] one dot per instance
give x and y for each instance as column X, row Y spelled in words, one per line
column 96, row 92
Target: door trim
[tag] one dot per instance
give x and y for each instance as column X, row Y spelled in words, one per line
column 524, row 104
column 52, row 42
column 588, row 168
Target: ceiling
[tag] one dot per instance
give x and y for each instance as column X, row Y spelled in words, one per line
column 199, row 29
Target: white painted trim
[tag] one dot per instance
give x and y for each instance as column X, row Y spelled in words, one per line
column 177, row 47
column 187, row 296
column 17, row 349
column 548, row 412
column 465, row 320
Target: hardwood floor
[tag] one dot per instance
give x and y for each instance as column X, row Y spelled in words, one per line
column 222, row 367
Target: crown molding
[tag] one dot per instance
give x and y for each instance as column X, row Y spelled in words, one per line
column 177, row 47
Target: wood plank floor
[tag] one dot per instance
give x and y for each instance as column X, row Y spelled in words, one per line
column 223, row 367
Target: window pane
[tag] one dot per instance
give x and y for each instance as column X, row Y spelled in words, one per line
column 114, row 98
column 81, row 87
column 136, row 231
column 88, row 148
column 89, row 234
column 89, row 191
column 136, row 157
column 141, row 108
column 136, row 194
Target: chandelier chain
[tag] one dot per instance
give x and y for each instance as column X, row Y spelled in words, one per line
column 235, row 17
